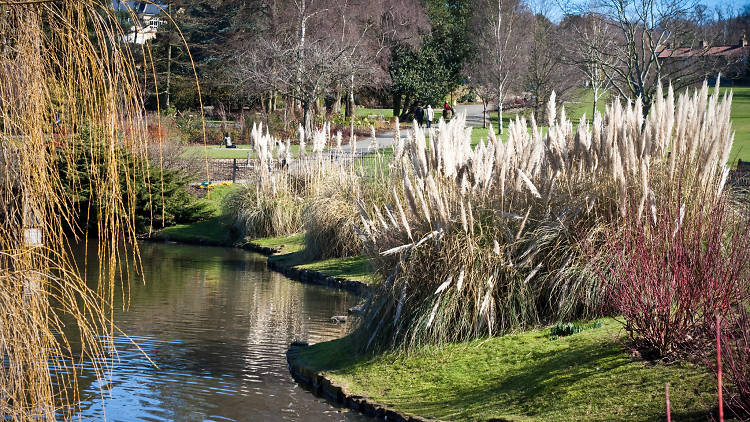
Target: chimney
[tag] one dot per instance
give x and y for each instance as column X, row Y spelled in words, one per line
column 743, row 41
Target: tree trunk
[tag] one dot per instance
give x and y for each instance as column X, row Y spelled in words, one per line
column 500, row 110
column 307, row 118
column 484, row 113
column 351, row 108
column 337, row 103
column 596, row 97
column 169, row 61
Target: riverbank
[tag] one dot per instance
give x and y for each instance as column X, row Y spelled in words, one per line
column 529, row 376
column 286, row 254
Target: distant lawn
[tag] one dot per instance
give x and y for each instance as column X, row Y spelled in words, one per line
column 212, row 231
column 218, row 152
column 292, row 254
column 522, row 377
column 740, row 123
column 387, row 113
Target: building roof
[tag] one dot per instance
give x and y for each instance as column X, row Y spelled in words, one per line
column 738, row 50
column 138, row 7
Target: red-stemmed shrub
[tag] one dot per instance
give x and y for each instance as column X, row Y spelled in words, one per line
column 673, row 272
column 735, row 361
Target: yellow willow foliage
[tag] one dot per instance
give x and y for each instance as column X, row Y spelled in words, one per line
column 65, row 75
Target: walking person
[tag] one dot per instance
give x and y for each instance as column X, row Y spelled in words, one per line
column 419, row 114
column 430, row 115
column 447, row 111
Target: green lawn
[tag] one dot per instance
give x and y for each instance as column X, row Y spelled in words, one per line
column 740, row 123
column 292, row 254
column 241, row 152
column 387, row 113
column 521, row 377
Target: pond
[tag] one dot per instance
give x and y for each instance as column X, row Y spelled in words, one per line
column 216, row 324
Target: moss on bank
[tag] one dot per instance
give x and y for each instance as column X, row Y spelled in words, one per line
column 587, row 376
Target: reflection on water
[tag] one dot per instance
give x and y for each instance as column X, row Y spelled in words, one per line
column 216, row 323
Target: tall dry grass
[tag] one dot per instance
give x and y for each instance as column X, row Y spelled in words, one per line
column 314, row 193
column 63, row 70
column 479, row 241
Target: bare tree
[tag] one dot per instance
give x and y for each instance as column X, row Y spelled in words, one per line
column 588, row 39
column 643, row 50
column 500, row 41
column 318, row 56
column 547, row 70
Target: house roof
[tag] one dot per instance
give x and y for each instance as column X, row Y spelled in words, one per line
column 736, row 50
column 138, row 7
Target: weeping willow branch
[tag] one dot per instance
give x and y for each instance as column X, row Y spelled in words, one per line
column 69, row 93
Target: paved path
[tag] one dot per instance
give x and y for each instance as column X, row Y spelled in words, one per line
column 473, row 118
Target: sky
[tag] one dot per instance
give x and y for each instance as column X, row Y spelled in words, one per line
column 553, row 9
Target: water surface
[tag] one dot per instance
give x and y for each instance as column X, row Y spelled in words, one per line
column 216, row 323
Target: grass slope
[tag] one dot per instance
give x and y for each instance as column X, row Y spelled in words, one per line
column 522, row 377
column 212, row 231
column 292, row 254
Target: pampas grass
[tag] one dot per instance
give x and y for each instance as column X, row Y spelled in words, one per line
column 517, row 218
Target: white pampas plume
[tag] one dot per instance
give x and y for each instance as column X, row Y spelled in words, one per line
column 460, row 283
column 400, row 306
column 339, row 140
column 428, row 237
column 495, row 247
column 723, row 181
column 511, row 215
column 532, row 273
column 486, row 301
column 373, row 139
column 551, row 112
column 401, row 213
column 523, row 223
column 444, row 286
column 464, row 223
column 528, row 184
column 678, row 222
column 397, row 249
column 434, row 311
column 301, row 133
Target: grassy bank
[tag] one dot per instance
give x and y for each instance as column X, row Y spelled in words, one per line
column 212, row 231
column 292, row 254
column 522, row 377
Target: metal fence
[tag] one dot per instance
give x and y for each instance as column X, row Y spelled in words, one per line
column 239, row 169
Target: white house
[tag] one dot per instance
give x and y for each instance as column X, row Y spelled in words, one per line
column 148, row 17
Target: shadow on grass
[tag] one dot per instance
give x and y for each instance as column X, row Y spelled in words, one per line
column 526, row 376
